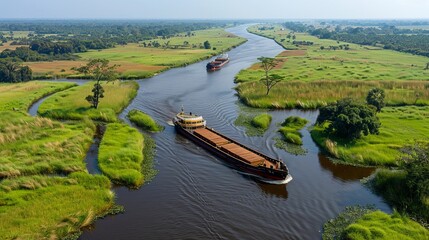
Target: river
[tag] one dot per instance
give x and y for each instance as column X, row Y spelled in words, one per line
column 196, row 196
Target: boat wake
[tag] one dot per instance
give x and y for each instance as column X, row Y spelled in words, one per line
column 170, row 122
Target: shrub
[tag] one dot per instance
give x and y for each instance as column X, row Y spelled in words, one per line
column 262, row 121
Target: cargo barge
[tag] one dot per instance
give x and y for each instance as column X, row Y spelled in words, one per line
column 218, row 63
column 242, row 158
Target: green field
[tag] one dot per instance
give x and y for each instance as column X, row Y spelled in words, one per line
column 121, row 154
column 137, row 61
column 71, row 104
column 400, row 126
column 314, row 77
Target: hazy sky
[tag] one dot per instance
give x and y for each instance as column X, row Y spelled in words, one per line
column 214, row 9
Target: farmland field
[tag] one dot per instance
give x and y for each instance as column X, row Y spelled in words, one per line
column 137, row 61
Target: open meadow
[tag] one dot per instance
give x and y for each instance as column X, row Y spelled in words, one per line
column 137, row 61
column 314, row 77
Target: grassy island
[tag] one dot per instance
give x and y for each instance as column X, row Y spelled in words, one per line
column 144, row 121
column 290, row 129
column 121, row 154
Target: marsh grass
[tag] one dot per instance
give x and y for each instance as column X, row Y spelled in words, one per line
column 39, row 145
column 400, row 126
column 20, row 96
column 391, row 184
column 312, row 95
column 121, row 154
column 245, row 119
column 144, row 121
column 358, row 222
column 71, row 104
column 40, row 207
column 262, row 121
column 290, row 129
column 379, row 225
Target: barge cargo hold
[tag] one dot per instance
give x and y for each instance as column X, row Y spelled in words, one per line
column 243, row 158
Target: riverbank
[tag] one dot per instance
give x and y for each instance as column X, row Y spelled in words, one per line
column 42, row 172
column 143, row 60
column 45, row 191
column 381, row 149
column 315, row 75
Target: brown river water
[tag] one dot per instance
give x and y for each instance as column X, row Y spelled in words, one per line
column 196, row 196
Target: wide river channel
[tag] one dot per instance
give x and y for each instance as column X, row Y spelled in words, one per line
column 196, row 196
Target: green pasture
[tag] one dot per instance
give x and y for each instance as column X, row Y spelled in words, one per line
column 360, row 67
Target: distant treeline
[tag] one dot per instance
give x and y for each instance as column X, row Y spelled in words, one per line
column 12, row 72
column 58, row 40
column 414, row 41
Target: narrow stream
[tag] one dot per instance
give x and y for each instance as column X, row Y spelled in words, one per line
column 196, row 196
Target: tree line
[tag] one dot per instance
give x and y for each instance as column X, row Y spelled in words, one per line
column 414, row 41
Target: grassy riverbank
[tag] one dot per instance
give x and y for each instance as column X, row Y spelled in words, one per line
column 356, row 223
column 44, row 190
column 121, row 154
column 392, row 186
column 41, row 207
column 138, row 61
column 71, row 104
column 400, row 126
column 315, row 77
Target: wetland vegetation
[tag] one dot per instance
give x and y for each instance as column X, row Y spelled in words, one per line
column 144, row 121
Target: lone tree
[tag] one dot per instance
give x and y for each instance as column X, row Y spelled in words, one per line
column 348, row 119
column 207, row 45
column 375, row 98
column 269, row 80
column 99, row 70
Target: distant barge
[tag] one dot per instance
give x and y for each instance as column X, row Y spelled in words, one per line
column 244, row 159
column 218, row 63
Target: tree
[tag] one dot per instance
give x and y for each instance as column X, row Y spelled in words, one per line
column 415, row 161
column 269, row 80
column 375, row 98
column 13, row 72
column 427, row 66
column 99, row 70
column 207, row 45
column 348, row 119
